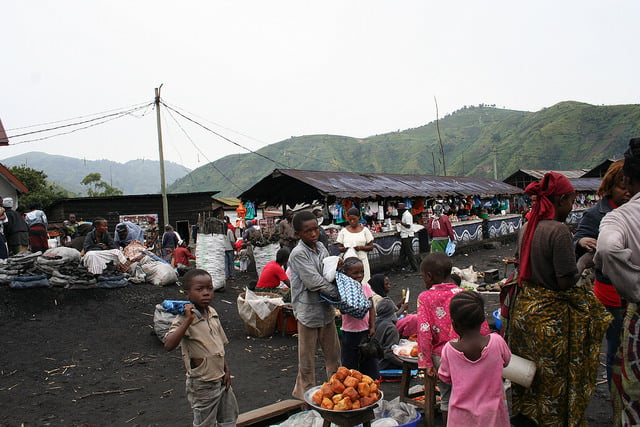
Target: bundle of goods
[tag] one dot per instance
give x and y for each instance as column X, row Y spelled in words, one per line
column 73, row 277
column 210, row 257
column 347, row 389
column 53, row 259
column 17, row 265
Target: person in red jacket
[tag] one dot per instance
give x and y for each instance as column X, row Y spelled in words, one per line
column 181, row 257
column 440, row 230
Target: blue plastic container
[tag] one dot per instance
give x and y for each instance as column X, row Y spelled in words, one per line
column 496, row 317
column 413, row 423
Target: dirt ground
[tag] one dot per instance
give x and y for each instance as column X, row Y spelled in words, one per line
column 89, row 357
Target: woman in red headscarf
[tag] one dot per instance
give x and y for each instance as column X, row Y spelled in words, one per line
column 555, row 322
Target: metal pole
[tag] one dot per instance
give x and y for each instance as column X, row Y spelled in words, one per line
column 163, row 182
column 495, row 163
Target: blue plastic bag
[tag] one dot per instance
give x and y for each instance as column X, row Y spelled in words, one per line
column 451, row 248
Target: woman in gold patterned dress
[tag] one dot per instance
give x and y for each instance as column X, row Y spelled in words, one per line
column 555, row 321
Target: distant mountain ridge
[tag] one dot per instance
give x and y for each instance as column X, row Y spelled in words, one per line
column 568, row 135
column 133, row 177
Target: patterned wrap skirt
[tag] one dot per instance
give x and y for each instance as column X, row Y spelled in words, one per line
column 562, row 333
column 625, row 388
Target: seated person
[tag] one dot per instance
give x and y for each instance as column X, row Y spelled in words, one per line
column 273, row 274
column 127, row 232
column 99, row 249
column 181, row 257
column 387, row 334
column 78, row 241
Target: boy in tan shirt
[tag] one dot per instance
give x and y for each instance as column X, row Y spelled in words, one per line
column 202, row 340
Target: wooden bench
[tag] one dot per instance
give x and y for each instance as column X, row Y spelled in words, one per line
column 268, row 412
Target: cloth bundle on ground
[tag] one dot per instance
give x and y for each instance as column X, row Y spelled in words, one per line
column 112, row 278
column 55, row 258
column 352, row 299
column 73, row 276
column 158, row 273
column 17, row 265
column 30, row 281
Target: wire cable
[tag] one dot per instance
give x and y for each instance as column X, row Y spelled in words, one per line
column 118, row 114
column 76, row 118
column 110, row 118
column 224, row 137
column 203, row 154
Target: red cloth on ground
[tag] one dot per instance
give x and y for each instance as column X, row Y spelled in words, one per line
column 182, row 255
column 272, row 275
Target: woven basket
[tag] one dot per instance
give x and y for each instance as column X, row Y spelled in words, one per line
column 264, row 327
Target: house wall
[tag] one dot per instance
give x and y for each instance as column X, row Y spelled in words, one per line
column 7, row 190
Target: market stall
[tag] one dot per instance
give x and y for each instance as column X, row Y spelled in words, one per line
column 478, row 207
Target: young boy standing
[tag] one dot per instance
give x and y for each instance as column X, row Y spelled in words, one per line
column 202, row 340
column 316, row 318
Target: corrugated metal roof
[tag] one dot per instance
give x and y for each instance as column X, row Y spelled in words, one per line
column 304, row 185
column 539, row 173
column 586, row 184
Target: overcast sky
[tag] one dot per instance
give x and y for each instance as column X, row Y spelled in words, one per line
column 261, row 71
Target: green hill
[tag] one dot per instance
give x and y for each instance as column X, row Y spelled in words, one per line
column 133, row 177
column 568, row 135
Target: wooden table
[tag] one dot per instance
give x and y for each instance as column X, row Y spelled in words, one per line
column 429, row 403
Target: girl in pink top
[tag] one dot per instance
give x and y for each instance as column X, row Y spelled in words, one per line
column 473, row 366
column 354, row 331
column 434, row 323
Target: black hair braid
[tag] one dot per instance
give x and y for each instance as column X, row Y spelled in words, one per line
column 631, row 166
column 467, row 310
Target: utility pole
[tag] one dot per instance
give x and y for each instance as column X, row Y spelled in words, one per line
column 495, row 163
column 433, row 157
column 444, row 166
column 163, row 182
column 462, row 164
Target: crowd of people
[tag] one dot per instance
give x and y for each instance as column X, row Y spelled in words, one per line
column 555, row 314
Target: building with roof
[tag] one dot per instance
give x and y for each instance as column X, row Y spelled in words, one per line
column 185, row 209
column 293, row 186
column 10, row 186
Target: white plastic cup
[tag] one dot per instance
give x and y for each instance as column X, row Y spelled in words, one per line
column 520, row 371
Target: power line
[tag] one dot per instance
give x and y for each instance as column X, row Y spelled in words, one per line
column 289, row 150
column 118, row 114
column 79, row 117
column 77, row 129
column 224, row 137
column 201, row 152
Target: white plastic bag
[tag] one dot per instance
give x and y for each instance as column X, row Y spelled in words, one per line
column 158, row 273
column 329, row 267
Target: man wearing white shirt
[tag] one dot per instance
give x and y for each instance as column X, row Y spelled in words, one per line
column 406, row 237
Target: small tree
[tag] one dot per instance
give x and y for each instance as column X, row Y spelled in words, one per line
column 98, row 187
column 41, row 192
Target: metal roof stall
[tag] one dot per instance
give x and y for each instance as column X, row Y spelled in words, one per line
column 292, row 186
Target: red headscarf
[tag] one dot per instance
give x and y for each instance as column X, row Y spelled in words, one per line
column 552, row 184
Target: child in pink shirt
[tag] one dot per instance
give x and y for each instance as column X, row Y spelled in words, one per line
column 434, row 323
column 473, row 366
column 354, row 331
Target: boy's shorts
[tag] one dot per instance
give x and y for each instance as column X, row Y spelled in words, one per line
column 445, row 389
column 212, row 403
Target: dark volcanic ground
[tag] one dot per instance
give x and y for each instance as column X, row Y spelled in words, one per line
column 73, row 357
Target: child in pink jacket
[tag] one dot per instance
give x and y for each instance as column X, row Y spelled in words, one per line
column 434, row 321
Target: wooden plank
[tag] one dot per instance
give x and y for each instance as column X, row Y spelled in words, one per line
column 270, row 411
